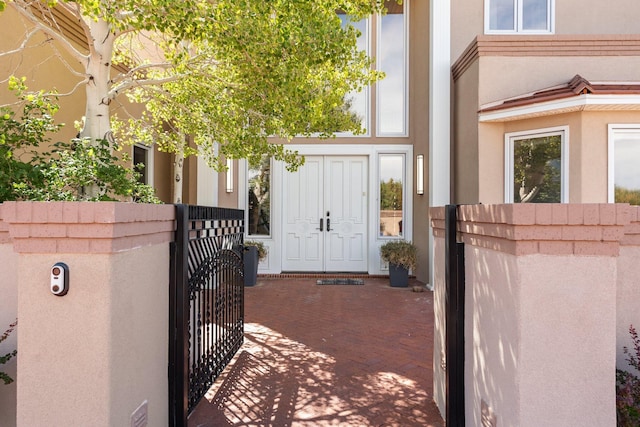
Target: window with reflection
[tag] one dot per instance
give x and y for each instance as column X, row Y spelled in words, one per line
column 259, row 199
column 391, row 213
column 392, row 59
column 536, row 168
column 358, row 102
column 625, row 147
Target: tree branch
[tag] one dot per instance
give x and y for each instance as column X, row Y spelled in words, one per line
column 116, row 90
column 24, row 9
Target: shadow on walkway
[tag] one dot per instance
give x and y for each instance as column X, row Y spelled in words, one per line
column 328, row 355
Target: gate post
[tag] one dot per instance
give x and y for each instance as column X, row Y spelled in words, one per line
column 178, row 322
column 454, row 309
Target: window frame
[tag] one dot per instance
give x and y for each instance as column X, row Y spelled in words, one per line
column 406, row 40
column 613, row 131
column 518, row 19
column 148, row 163
column 509, row 144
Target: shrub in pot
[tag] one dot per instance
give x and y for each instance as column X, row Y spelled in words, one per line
column 402, row 256
column 254, row 252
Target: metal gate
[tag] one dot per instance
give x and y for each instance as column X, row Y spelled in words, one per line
column 206, row 314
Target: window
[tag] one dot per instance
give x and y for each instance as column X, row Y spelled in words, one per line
column 391, row 194
column 391, row 55
column 536, row 166
column 519, row 16
column 143, row 162
column 259, row 199
column 624, row 158
column 359, row 101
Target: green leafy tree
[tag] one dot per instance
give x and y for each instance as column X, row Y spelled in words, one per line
column 391, row 195
column 65, row 172
column 228, row 72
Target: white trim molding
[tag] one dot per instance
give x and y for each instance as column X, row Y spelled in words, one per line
column 585, row 102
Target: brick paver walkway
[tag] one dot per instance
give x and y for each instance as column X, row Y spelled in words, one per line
column 328, row 355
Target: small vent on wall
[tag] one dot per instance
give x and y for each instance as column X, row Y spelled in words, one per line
column 139, row 417
column 488, row 418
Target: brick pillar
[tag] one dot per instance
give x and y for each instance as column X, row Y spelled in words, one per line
column 93, row 356
column 540, row 327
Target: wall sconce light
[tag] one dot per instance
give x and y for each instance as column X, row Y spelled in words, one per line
column 420, row 174
column 229, row 175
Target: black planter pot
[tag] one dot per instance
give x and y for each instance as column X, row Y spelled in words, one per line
column 250, row 265
column 398, row 276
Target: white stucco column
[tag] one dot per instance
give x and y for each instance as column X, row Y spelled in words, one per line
column 207, row 184
column 439, row 111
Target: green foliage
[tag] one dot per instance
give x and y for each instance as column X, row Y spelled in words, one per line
column 83, row 170
column 624, row 195
column 400, row 252
column 4, row 359
column 536, row 170
column 20, row 136
column 628, row 386
column 262, row 249
column 77, row 170
column 391, row 195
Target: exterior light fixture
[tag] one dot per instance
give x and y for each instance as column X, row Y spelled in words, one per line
column 229, row 175
column 420, row 174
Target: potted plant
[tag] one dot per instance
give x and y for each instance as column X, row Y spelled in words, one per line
column 254, row 252
column 402, row 257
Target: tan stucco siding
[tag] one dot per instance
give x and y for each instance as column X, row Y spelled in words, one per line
column 571, row 17
column 465, row 137
column 504, row 77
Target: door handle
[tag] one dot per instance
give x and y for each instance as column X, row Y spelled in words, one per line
column 321, row 224
column 328, row 224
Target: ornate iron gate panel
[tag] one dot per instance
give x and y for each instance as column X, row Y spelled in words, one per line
column 206, row 316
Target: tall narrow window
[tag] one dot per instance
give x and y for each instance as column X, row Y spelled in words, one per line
column 358, row 102
column 519, row 16
column 259, row 199
column 624, row 158
column 142, row 161
column 391, row 194
column 536, row 167
column 392, row 59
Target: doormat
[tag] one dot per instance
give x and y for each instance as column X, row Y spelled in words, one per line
column 340, row 282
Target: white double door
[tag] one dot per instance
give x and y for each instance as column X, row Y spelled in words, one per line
column 325, row 205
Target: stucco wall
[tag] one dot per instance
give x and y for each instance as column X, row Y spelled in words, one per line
column 628, row 294
column 8, row 314
column 93, row 356
column 572, row 17
column 540, row 311
column 439, row 339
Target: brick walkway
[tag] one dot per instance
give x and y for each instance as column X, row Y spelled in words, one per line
column 330, row 355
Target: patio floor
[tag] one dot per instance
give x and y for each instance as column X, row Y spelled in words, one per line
column 328, row 355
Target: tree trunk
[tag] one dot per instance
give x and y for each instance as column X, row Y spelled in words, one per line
column 98, row 67
column 178, row 166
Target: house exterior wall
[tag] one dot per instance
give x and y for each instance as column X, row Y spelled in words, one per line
column 465, row 136
column 571, row 17
column 44, row 70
